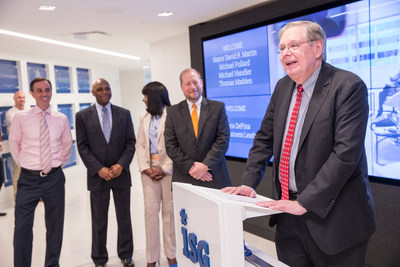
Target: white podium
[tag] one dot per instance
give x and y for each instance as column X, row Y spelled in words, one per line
column 209, row 227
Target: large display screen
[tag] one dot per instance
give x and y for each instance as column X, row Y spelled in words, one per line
column 236, row 67
column 241, row 70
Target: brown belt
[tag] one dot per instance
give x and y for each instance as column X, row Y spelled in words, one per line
column 155, row 156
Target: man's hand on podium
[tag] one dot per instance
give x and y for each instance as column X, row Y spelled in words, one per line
column 242, row 190
column 289, row 206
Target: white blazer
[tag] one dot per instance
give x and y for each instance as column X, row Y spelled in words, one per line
column 143, row 144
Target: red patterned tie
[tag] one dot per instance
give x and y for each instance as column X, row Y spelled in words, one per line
column 45, row 152
column 284, row 164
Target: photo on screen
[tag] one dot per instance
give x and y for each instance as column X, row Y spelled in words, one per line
column 83, row 77
column 67, row 110
column 9, row 76
column 36, row 70
column 63, row 79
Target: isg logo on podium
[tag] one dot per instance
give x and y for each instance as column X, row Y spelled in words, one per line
column 193, row 250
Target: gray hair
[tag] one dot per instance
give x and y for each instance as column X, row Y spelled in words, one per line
column 313, row 31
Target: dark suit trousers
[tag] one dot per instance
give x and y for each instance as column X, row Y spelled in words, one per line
column 99, row 205
column 296, row 247
column 30, row 189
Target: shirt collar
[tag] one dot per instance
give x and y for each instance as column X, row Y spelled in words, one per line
column 38, row 110
column 100, row 107
column 309, row 84
column 197, row 103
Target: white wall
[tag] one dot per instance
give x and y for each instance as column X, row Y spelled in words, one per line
column 132, row 82
column 131, row 88
column 168, row 58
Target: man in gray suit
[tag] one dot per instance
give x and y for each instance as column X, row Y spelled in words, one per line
column 197, row 149
column 106, row 143
column 330, row 214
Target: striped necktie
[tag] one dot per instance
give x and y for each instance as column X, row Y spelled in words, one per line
column 45, row 152
column 284, row 164
column 106, row 124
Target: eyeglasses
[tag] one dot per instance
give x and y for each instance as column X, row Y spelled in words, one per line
column 293, row 46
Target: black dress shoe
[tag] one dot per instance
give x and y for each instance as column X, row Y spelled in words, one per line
column 3, row 213
column 128, row 262
column 100, row 265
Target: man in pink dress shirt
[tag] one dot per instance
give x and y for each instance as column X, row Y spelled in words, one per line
column 34, row 183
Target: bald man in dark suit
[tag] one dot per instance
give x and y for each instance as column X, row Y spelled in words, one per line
column 107, row 157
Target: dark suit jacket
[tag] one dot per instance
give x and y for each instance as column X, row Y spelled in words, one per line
column 96, row 153
column 209, row 148
column 331, row 167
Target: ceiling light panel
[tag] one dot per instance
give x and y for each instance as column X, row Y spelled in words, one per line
column 165, row 13
column 47, row 7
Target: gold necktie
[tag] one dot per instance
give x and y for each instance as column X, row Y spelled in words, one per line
column 195, row 120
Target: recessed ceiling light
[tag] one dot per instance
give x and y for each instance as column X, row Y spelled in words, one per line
column 165, row 14
column 47, row 7
column 89, row 35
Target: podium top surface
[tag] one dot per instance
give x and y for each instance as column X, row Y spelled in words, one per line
column 248, row 204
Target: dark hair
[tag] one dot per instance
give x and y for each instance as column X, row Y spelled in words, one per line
column 39, row 79
column 157, row 97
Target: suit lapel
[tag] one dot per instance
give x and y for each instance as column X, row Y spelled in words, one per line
column 283, row 110
column 161, row 125
column 205, row 108
column 317, row 100
column 94, row 116
column 115, row 116
column 185, row 114
column 146, row 127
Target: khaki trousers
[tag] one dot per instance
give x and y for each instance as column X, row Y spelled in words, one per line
column 158, row 194
column 15, row 178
